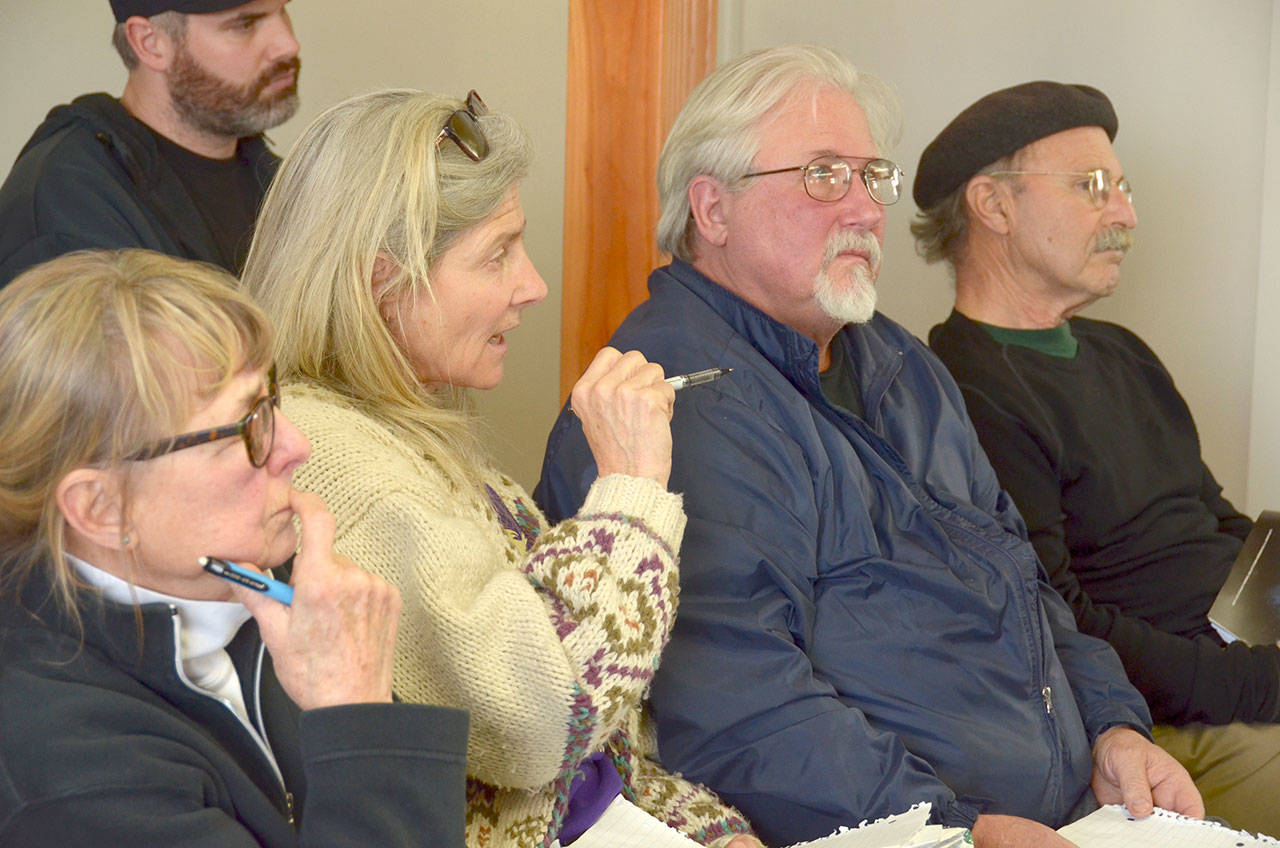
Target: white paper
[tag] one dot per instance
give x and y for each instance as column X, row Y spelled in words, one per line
column 903, row 830
column 624, row 825
column 1113, row 826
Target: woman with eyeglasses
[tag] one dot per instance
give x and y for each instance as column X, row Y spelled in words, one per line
column 390, row 252
column 143, row 700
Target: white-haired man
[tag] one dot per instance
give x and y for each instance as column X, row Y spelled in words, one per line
column 861, row 621
column 177, row 164
column 1024, row 196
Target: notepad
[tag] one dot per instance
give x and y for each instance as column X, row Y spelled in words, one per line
column 903, row 830
column 1113, row 826
column 624, row 825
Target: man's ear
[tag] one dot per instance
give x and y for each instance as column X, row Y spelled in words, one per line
column 91, row 502
column 988, row 203
column 708, row 199
column 152, row 45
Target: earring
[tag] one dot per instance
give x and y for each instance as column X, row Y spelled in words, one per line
column 125, row 541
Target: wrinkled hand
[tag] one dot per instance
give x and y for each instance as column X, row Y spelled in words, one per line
column 1129, row 769
column 625, row 410
column 1013, row 832
column 334, row 645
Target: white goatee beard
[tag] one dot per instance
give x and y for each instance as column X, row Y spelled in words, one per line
column 851, row 300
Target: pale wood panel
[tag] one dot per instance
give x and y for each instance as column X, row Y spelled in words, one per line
column 632, row 63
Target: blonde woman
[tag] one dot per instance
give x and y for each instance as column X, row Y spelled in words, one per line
column 390, row 252
column 137, row 704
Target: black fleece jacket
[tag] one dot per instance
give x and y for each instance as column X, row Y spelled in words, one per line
column 103, row 742
column 92, row 177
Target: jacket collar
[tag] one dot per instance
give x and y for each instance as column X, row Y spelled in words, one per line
column 877, row 352
column 129, row 636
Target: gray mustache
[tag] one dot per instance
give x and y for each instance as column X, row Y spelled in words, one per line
column 1114, row 240
column 853, row 240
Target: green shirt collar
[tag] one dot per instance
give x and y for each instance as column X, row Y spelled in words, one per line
column 1056, row 341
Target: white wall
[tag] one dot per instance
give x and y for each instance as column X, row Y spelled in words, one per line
column 1190, row 82
column 514, row 54
column 1264, row 446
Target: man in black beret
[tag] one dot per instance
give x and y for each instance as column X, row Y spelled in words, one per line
column 178, row 163
column 1023, row 195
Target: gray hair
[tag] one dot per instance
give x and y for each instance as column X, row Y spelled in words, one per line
column 174, row 24
column 365, row 179
column 716, row 133
column 942, row 230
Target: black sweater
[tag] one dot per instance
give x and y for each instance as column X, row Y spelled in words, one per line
column 1101, row 456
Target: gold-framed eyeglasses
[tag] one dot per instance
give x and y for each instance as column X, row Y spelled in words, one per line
column 463, row 126
column 1097, row 182
column 258, row 429
column 828, row 178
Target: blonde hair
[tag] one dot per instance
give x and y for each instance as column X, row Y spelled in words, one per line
column 367, row 179
column 101, row 354
column 716, row 132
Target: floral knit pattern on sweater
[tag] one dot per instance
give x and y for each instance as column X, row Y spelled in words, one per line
column 548, row 636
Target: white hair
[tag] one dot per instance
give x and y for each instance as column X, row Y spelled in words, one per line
column 716, row 133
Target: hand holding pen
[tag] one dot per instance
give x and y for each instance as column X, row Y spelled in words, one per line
column 684, row 381
column 624, row 403
column 334, row 644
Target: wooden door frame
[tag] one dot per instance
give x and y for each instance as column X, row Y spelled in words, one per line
column 632, row 63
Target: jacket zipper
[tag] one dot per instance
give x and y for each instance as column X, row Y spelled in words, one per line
column 259, row 737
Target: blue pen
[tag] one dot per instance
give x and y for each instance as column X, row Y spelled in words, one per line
column 272, row 588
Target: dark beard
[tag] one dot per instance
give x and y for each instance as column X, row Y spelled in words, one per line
column 211, row 105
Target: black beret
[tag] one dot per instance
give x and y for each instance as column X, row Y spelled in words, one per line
column 1001, row 123
column 124, row 9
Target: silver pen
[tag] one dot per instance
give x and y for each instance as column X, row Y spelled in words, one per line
column 684, row 381
column 697, row 378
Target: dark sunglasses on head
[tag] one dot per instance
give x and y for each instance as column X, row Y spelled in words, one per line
column 258, row 429
column 463, row 127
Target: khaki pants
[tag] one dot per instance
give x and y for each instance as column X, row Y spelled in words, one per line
column 1236, row 767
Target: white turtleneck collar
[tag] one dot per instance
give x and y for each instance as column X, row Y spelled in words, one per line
column 205, row 629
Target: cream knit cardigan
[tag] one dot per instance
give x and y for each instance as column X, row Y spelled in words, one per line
column 549, row 637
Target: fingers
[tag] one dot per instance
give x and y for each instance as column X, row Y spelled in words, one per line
column 614, row 377
column 625, row 408
column 1180, row 797
column 315, row 540
column 1172, row 787
column 271, row 615
column 1123, row 762
column 335, row 644
column 1131, row 775
column 317, row 522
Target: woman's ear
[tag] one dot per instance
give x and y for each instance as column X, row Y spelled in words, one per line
column 384, row 271
column 91, row 502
